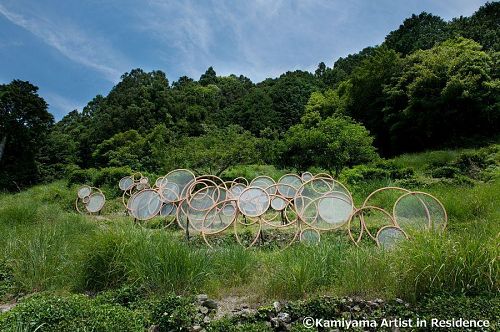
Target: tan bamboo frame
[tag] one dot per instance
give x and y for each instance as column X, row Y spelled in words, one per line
column 415, row 193
column 86, row 199
column 389, row 226
column 363, row 227
column 202, row 201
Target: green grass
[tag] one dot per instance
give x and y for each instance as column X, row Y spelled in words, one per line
column 46, row 246
column 419, row 161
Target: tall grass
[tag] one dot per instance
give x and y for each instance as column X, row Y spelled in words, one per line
column 41, row 255
column 163, row 263
column 303, row 270
column 47, row 248
column 463, row 264
column 419, row 161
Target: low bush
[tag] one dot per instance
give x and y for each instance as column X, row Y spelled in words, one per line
column 445, row 172
column 81, row 176
column 6, row 280
column 376, row 171
column 250, row 172
column 104, row 178
column 174, row 313
column 47, row 312
column 127, row 296
column 227, row 325
column 448, row 307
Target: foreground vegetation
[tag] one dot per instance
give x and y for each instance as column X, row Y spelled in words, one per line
column 130, row 269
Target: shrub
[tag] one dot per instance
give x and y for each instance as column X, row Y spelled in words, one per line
column 174, row 313
column 6, row 280
column 104, row 178
column 376, row 171
column 227, row 325
column 467, row 308
column 445, row 172
column 127, row 296
column 471, row 163
column 47, row 312
column 110, row 176
column 81, row 176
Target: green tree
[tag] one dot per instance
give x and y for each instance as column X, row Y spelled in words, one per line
column 350, row 62
column 253, row 112
column 24, row 125
column 290, row 93
column 331, row 143
column 123, row 149
column 419, row 32
column 327, row 103
column 209, row 77
column 482, row 26
column 139, row 102
column 443, row 94
column 212, row 152
column 365, row 97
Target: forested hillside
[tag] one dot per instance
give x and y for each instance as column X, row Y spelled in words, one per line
column 430, row 84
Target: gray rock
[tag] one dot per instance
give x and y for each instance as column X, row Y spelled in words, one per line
column 284, row 317
column 398, row 300
column 275, row 322
column 203, row 310
column 6, row 307
column 206, row 320
column 277, row 306
column 246, row 312
column 210, row 304
column 196, row 328
column 379, row 301
column 356, row 308
column 154, row 328
column 201, row 297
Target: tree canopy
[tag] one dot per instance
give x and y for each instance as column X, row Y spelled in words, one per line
column 331, row 143
column 24, row 125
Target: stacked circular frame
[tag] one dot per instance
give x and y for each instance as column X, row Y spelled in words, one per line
column 389, row 214
column 89, row 200
column 302, row 207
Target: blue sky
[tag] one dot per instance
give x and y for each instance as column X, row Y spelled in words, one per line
column 75, row 49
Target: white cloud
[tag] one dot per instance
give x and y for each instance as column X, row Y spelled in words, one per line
column 72, row 42
column 258, row 39
column 59, row 105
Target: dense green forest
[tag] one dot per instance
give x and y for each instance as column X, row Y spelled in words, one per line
column 430, row 84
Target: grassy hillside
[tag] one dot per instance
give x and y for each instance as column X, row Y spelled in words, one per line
column 45, row 246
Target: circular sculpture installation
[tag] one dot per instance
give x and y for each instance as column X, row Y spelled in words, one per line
column 89, row 200
column 299, row 207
